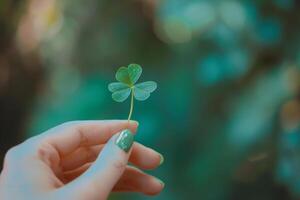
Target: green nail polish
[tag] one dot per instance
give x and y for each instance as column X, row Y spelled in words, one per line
column 161, row 159
column 125, row 140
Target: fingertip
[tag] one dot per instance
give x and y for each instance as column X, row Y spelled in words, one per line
column 161, row 158
column 133, row 126
column 157, row 187
column 145, row 157
column 134, row 122
column 157, row 160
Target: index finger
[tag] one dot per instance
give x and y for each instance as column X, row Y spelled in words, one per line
column 69, row 136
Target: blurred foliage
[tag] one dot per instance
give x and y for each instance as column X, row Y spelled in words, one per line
column 227, row 111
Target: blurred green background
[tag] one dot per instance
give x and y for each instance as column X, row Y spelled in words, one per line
column 227, row 110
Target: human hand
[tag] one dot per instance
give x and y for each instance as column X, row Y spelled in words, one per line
column 79, row 160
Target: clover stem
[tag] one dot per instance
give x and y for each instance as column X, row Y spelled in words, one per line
column 131, row 104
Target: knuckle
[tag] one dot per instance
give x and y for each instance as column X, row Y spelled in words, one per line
column 47, row 153
column 84, row 140
column 69, row 123
column 90, row 154
column 120, row 164
column 64, row 126
column 20, row 152
column 11, row 154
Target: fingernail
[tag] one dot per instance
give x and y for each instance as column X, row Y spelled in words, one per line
column 162, row 159
column 161, row 182
column 136, row 122
column 125, row 140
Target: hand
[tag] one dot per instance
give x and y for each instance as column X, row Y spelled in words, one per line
column 79, row 161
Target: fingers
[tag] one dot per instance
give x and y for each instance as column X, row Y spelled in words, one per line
column 141, row 156
column 133, row 180
column 99, row 180
column 71, row 175
column 144, row 157
column 80, row 157
column 68, row 137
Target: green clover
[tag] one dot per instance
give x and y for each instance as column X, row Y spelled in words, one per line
column 127, row 77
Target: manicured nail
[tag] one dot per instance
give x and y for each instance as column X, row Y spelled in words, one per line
column 136, row 122
column 161, row 159
column 125, row 140
column 161, row 182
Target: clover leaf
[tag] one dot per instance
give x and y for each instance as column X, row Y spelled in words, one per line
column 127, row 77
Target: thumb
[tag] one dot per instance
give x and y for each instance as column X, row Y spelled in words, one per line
column 98, row 181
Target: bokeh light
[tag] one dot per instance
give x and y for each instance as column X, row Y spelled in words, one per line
column 226, row 113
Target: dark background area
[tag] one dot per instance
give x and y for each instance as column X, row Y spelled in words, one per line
column 227, row 110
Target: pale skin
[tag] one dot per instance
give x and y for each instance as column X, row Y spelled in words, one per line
column 80, row 161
